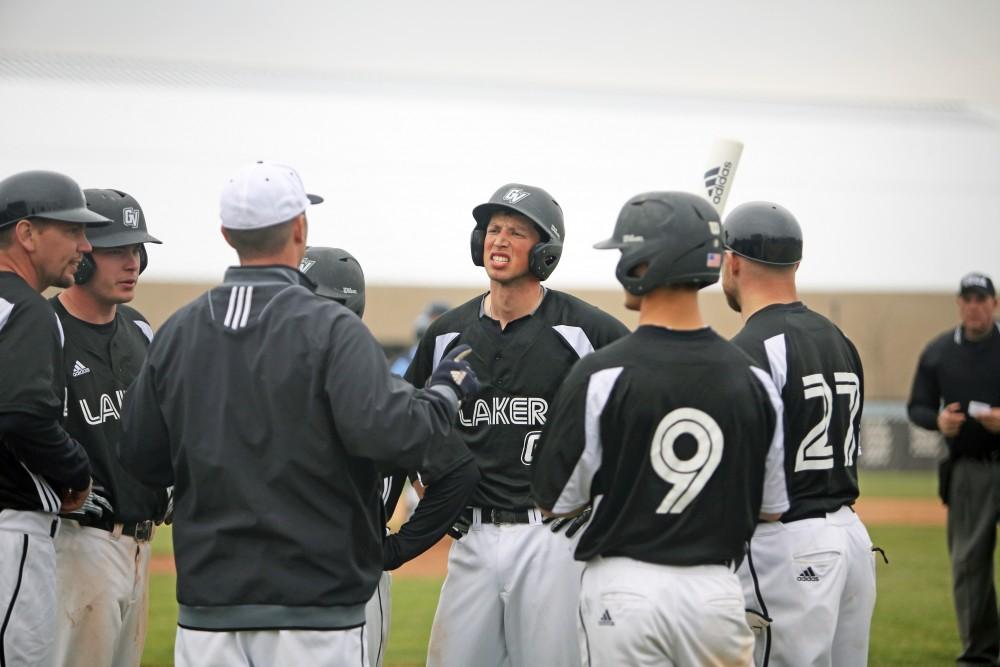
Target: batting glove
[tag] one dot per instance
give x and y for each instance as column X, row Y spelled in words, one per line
column 572, row 524
column 456, row 374
column 168, row 513
column 95, row 505
column 461, row 527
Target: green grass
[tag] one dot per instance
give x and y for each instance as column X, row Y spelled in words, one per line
column 914, row 623
column 898, row 484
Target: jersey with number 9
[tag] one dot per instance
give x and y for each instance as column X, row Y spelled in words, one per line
column 677, row 440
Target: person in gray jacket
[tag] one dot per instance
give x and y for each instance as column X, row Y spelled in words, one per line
column 273, row 446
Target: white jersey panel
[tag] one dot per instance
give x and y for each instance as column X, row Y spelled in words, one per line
column 576, row 493
column 775, row 497
column 576, row 337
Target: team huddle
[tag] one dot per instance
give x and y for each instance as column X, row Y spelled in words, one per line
column 656, row 497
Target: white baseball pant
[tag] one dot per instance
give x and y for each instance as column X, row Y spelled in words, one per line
column 378, row 614
column 103, row 597
column 510, row 599
column 815, row 578
column 197, row 648
column 644, row 614
column 27, row 587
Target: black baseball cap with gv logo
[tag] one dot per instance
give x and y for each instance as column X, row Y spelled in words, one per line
column 976, row 283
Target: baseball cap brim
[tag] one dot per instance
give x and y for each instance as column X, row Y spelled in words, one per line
column 314, row 199
column 975, row 289
column 609, row 244
column 83, row 216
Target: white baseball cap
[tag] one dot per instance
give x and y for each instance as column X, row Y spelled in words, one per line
column 262, row 194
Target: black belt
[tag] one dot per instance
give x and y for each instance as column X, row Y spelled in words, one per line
column 497, row 516
column 140, row 531
column 815, row 514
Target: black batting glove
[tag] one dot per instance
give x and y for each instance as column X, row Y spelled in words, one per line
column 461, row 527
column 95, row 506
column 572, row 524
column 456, row 373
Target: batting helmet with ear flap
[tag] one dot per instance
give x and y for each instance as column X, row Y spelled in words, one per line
column 128, row 227
column 337, row 275
column 47, row 195
column 675, row 234
column 536, row 205
column 764, row 232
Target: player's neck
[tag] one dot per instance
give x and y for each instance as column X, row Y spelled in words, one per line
column 23, row 267
column 763, row 296
column 671, row 308
column 81, row 304
column 508, row 302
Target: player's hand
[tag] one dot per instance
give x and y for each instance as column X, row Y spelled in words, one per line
column 756, row 620
column 456, row 373
column 96, row 504
column 461, row 527
column 168, row 513
column 572, row 524
column 950, row 420
column 73, row 499
column 991, row 420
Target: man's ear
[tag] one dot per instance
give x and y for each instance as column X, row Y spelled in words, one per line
column 26, row 234
column 225, row 235
column 300, row 230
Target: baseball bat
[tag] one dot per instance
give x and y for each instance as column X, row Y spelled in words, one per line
column 720, row 170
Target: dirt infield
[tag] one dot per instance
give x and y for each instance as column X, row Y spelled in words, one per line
column 873, row 511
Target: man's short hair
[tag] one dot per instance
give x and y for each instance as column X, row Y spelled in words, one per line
column 253, row 243
column 7, row 236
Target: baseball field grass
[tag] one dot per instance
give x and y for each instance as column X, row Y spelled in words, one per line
column 914, row 623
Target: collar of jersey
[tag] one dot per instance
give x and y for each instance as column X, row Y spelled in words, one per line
column 482, row 304
column 277, row 273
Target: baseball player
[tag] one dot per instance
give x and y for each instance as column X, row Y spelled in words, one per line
column 450, row 472
column 676, row 440
column 813, row 573
column 42, row 469
column 269, row 408
column 511, row 590
column 103, row 550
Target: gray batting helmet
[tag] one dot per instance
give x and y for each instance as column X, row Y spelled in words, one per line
column 675, row 234
column 44, row 194
column 538, row 206
column 128, row 227
column 764, row 232
column 337, row 275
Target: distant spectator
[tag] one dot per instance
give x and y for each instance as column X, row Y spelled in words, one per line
column 956, row 391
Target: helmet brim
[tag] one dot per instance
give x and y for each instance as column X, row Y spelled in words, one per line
column 609, row 244
column 121, row 239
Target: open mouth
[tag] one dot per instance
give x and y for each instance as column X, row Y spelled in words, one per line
column 500, row 259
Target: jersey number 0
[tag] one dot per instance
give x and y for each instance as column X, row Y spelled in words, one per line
column 688, row 476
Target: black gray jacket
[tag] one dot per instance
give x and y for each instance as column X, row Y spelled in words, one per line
column 269, row 409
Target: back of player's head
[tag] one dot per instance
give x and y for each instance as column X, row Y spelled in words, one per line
column 337, row 275
column 536, row 205
column 674, row 234
column 764, row 232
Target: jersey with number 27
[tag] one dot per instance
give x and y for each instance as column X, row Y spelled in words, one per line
column 675, row 437
column 818, row 372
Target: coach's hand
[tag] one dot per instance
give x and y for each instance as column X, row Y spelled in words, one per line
column 572, row 524
column 990, row 420
column 72, row 499
column 456, row 373
column 950, row 420
column 96, row 504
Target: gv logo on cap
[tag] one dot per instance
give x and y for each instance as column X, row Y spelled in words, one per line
column 130, row 217
column 514, row 195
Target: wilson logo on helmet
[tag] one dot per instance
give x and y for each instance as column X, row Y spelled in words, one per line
column 130, row 216
column 514, row 195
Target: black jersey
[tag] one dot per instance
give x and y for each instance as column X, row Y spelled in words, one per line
column 818, row 372
column 954, row 369
column 519, row 369
column 675, row 437
column 100, row 361
column 33, row 384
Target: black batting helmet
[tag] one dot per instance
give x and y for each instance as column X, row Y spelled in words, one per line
column 538, row 206
column 764, row 232
column 676, row 234
column 44, row 194
column 128, row 227
column 337, row 275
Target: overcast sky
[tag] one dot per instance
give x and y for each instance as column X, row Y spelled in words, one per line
column 877, row 124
